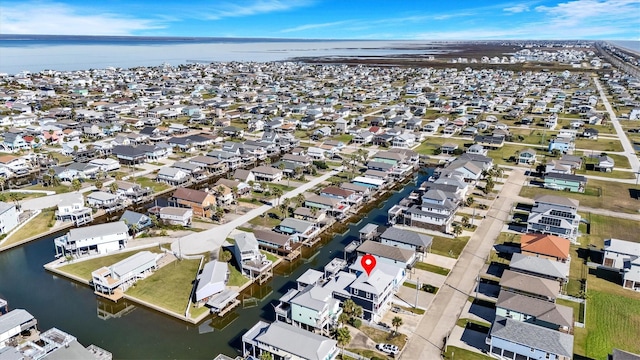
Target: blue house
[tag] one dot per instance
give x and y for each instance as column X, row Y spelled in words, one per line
column 561, row 144
column 512, row 339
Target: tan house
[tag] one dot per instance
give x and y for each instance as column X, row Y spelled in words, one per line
column 202, row 203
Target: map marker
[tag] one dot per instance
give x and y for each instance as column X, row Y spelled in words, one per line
column 368, row 262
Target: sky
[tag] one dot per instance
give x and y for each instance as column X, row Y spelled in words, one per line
column 329, row 19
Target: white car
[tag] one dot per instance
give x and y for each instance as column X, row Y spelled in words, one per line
column 388, row 348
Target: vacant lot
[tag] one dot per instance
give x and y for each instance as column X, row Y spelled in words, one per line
column 599, row 145
column 606, row 227
column 613, row 196
column 613, row 321
column 169, row 287
column 432, row 143
column 448, row 247
column 147, row 182
column 83, row 269
column 503, row 155
column 36, row 226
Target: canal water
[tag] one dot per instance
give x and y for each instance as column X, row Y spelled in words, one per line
column 140, row 333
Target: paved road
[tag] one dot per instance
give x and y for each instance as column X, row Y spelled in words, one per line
column 626, row 144
column 428, row 340
column 212, row 239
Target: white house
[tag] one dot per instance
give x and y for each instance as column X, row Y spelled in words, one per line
column 8, row 217
column 71, row 208
column 106, row 165
column 95, row 239
column 212, row 280
column 124, row 273
column 176, row 215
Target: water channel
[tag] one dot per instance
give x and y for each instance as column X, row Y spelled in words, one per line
column 139, row 333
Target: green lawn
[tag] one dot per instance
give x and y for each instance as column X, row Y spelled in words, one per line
column 169, row 287
column 61, row 158
column 620, row 160
column 449, row 247
column 462, row 322
column 83, row 269
column 58, row 189
column 154, row 185
column 577, row 308
column 432, row 268
column 36, row 226
column 505, row 237
column 613, row 321
column 19, row 196
column 602, row 145
column 432, row 143
column 453, row 353
column 270, row 256
column 614, row 196
column 266, row 220
column 345, row 138
column 605, row 227
column 235, row 277
column 501, row 156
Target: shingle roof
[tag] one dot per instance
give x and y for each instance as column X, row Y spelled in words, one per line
column 542, row 310
column 386, row 251
column 533, row 336
column 549, row 245
column 197, row 196
column 407, row 237
column 559, row 200
column 296, row 341
column 539, row 265
column 530, row 284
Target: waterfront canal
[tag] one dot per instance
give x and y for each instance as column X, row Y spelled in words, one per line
column 140, row 333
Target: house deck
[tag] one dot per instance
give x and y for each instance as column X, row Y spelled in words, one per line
column 117, row 295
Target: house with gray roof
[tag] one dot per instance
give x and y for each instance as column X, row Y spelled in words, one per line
column 555, row 215
column 540, row 266
column 509, row 339
column 114, row 280
column 387, row 253
column 13, row 323
column 285, row 341
column 252, row 262
column 212, row 280
column 8, row 217
column 406, row 239
column 534, row 311
column 94, row 239
column 529, row 285
column 302, row 229
column 624, row 257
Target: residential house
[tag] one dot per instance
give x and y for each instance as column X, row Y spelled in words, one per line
column 563, row 145
column 555, row 215
column 527, row 157
column 374, row 291
column 101, row 199
column 132, row 191
column 115, row 279
column 541, row 267
column 534, row 311
column 105, row 165
column 94, row 239
column 172, row 176
column 395, row 255
column 211, row 280
column 533, row 286
column 175, row 215
column 545, row 246
column 136, row 221
column 565, row 181
column 624, row 257
column 284, row 341
column 489, row 142
column 333, row 206
column 417, row 242
column 605, row 163
column 12, row 324
column 13, row 142
column 71, row 208
column 512, row 339
column 201, row 202
column 267, row 173
column 304, row 230
column 8, row 217
column 275, row 242
column 129, row 155
column 252, row 262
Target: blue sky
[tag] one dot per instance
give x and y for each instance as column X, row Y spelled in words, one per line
column 329, row 19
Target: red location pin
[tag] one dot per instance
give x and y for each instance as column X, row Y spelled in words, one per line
column 368, row 262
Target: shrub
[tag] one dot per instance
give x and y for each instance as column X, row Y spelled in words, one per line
column 355, row 322
column 320, row 164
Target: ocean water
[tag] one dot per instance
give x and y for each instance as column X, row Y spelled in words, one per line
column 628, row 44
column 36, row 53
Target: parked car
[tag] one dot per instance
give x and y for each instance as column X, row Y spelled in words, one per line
column 388, row 349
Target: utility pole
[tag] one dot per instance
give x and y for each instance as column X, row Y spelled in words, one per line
column 415, row 305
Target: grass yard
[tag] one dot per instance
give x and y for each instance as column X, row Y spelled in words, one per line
column 271, row 257
column 453, row 352
column 620, row 160
column 615, row 174
column 432, row 268
column 613, row 321
column 19, row 196
column 83, row 269
column 235, row 277
column 615, row 196
column 58, row 189
column 506, row 237
column 379, row 336
column 367, row 353
column 345, row 138
column 169, row 287
column 62, row 159
column 605, row 227
column 449, row 247
column 154, row 185
column 36, row 226
column 602, row 145
column 267, row 220
column 501, row 156
column 428, row 146
column 577, row 308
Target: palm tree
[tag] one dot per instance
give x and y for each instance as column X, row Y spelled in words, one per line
column 134, row 229
column 343, row 336
column 470, row 200
column 457, row 230
column 99, row 183
column 266, row 356
column 465, row 220
column 277, row 192
column 3, row 180
column 113, row 187
column 396, row 322
column 300, row 199
column 76, row 184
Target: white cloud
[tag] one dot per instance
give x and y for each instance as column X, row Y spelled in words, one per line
column 314, row 26
column 589, row 11
column 517, row 9
column 50, row 18
column 254, row 7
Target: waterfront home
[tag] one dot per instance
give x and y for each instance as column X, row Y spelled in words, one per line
column 529, row 285
column 304, row 230
column 172, row 176
column 101, row 199
column 201, row 202
column 545, row 246
column 213, row 165
column 406, row 239
column 252, row 262
column 274, row 242
column 129, row 155
column 212, row 280
column 344, row 195
column 13, row 323
column 132, row 191
column 175, row 215
column 114, row 280
column 624, row 257
column 94, row 239
column 284, row 341
column 309, row 278
column 374, row 291
column 534, row 311
column 8, row 217
column 14, row 142
column 555, row 215
column 435, row 210
column 330, row 205
column 312, row 308
column 389, row 254
column 368, row 182
column 136, row 221
column 71, row 208
column 13, row 164
column 267, row 173
column 541, row 267
column 509, row 339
